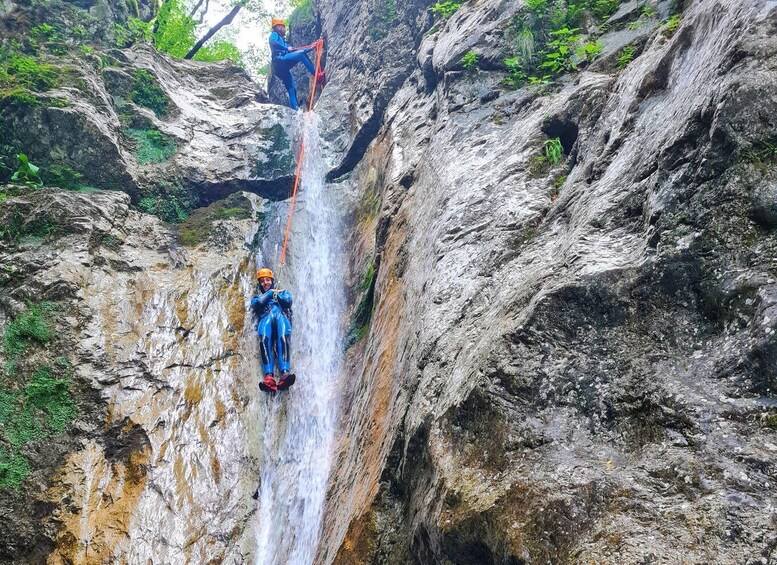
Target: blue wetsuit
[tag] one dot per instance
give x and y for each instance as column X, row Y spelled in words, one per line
column 284, row 60
column 273, row 309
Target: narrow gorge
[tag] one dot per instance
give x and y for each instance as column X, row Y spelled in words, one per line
column 534, row 268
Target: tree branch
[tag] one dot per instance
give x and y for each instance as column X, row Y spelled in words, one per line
column 212, row 31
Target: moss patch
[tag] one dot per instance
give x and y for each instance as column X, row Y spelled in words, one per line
column 151, row 145
column 35, row 403
column 146, row 92
column 279, row 160
column 197, row 228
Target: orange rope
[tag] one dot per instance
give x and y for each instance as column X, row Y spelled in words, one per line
column 319, row 44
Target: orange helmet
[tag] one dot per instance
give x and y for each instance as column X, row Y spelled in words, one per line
column 278, row 22
column 261, row 273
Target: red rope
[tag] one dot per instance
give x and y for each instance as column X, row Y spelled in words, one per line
column 319, row 45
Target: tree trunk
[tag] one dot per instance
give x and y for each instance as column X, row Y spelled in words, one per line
column 212, row 31
column 196, row 7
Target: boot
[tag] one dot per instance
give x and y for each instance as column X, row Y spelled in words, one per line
column 287, row 379
column 268, row 384
column 321, row 78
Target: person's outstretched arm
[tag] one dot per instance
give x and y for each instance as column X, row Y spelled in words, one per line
column 259, row 302
column 284, row 297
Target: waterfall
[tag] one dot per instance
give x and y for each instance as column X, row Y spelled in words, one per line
column 299, row 423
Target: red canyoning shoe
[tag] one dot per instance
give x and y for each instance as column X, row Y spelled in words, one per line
column 268, row 384
column 286, row 381
column 321, row 78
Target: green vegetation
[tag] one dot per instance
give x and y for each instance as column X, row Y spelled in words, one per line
column 29, row 328
column 545, row 40
column 671, row 25
column 63, row 176
column 26, row 172
column 470, row 60
column 762, row 155
column 553, row 150
column 383, row 16
column 30, row 414
column 21, row 74
column 151, row 145
column 168, row 201
column 625, row 57
column 134, row 31
column 302, row 15
column 198, row 227
column 445, row 9
column 174, row 32
column 363, row 312
column 147, row 93
column 648, row 11
column 558, row 56
column 552, row 153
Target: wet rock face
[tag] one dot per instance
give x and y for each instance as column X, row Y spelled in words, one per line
column 572, row 363
column 151, row 337
column 159, row 129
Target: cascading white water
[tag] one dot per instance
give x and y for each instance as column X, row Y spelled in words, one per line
column 299, row 424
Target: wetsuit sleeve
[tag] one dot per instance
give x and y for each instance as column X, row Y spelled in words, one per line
column 259, row 302
column 284, row 297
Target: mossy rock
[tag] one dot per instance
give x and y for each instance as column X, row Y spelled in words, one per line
column 198, row 227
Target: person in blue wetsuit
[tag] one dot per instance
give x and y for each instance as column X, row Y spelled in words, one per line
column 284, row 58
column 273, row 310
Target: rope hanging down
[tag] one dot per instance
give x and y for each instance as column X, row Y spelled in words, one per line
column 319, row 47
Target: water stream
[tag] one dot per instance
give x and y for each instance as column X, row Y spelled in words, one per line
column 299, row 424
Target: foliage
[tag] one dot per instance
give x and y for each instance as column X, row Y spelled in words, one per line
column 648, row 11
column 13, row 469
column 51, row 395
column 30, row 327
column 198, row 227
column 27, row 72
column 19, row 96
column 45, row 407
column 559, row 57
column 382, row 18
column 147, row 93
column 26, row 172
column 605, row 8
column 516, row 77
column 219, row 51
column 762, row 154
column 151, row 145
column 174, row 31
column 553, row 150
column 134, row 31
column 589, row 50
column 63, row 176
column 470, row 60
column 537, row 6
column 626, row 56
column 540, row 80
column 302, row 15
column 445, row 9
column 671, row 25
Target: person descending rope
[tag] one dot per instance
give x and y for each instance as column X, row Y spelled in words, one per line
column 284, row 58
column 273, row 310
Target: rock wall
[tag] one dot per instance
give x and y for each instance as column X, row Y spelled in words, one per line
column 143, row 446
column 562, row 364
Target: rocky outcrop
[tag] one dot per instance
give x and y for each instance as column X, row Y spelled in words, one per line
column 151, row 463
column 564, row 363
column 175, row 135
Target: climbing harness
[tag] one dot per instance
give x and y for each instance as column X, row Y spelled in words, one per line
column 318, row 45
